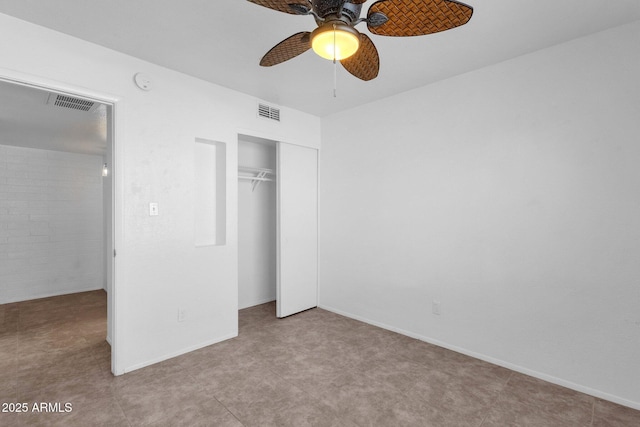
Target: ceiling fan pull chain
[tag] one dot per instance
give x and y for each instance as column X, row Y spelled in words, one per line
column 335, row 66
column 335, row 79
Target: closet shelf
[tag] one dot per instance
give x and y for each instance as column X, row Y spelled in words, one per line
column 256, row 175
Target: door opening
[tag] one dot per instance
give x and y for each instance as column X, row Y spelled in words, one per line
column 61, row 149
column 256, row 221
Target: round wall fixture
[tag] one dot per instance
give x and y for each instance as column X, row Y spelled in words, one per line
column 143, row 81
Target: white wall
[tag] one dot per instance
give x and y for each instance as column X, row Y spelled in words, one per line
column 51, row 223
column 256, row 227
column 159, row 270
column 512, row 196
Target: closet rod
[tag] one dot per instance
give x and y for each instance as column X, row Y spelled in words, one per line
column 254, row 178
column 246, row 169
column 257, row 176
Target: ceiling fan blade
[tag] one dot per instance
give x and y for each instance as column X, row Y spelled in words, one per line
column 287, row 49
column 365, row 63
column 294, row 7
column 418, row 17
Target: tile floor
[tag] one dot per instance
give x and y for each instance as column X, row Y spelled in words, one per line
column 312, row 369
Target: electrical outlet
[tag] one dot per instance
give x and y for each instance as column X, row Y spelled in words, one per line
column 435, row 307
column 182, row 314
column 153, row 209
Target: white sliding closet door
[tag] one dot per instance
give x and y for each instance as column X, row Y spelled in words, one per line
column 297, row 275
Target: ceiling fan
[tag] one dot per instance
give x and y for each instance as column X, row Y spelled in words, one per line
column 337, row 39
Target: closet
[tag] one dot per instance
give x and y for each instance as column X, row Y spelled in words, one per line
column 277, row 225
column 256, row 221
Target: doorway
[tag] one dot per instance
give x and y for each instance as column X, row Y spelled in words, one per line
column 58, row 154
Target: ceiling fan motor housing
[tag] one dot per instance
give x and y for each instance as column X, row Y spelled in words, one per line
column 330, row 10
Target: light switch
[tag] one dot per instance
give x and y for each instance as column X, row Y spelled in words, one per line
column 153, row 208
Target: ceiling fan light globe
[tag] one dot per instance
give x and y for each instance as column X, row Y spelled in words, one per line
column 335, row 42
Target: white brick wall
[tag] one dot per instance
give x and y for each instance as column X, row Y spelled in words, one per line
column 51, row 223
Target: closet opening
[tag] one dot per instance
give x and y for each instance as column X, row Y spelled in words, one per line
column 257, row 221
column 277, row 225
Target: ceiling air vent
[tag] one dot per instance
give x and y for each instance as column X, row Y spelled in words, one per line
column 66, row 101
column 268, row 112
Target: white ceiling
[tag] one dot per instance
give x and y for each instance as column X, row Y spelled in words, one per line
column 222, row 41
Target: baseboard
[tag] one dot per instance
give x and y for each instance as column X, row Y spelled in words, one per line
column 542, row 376
column 257, row 302
column 57, row 293
column 178, row 353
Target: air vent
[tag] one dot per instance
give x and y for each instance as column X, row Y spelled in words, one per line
column 268, row 112
column 66, row 101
